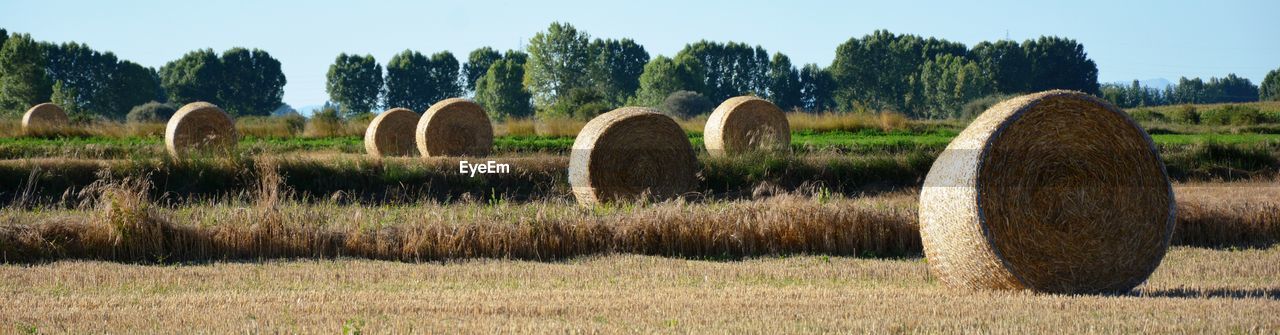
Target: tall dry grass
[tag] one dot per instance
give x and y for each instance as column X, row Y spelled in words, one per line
column 852, row 122
column 515, row 127
column 118, row 221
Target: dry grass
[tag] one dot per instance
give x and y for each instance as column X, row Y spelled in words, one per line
column 558, row 127
column 1194, row 291
column 515, row 127
column 885, row 121
column 271, row 227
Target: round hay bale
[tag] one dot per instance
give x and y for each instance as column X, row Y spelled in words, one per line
column 391, row 133
column 746, row 123
column 629, row 153
column 199, row 127
column 454, row 127
column 1055, row 192
column 45, row 116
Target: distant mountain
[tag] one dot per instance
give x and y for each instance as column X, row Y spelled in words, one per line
column 1157, row 83
column 309, row 109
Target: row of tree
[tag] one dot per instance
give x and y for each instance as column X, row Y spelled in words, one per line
column 564, row 72
column 1194, row 91
column 82, row 80
column 567, row 73
column 241, row 81
column 88, row 83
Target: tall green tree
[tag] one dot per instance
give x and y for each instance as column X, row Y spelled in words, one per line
column 67, row 97
column 1270, row 89
column 784, row 83
column 130, row 86
column 4, row 35
column 408, row 75
column 416, row 81
column 1189, row 91
column 477, row 65
column 355, row 83
column 85, row 75
column 947, row 83
column 663, row 76
column 197, row 76
column 443, row 77
column 615, row 71
column 1060, row 63
column 517, row 56
column 23, row 79
column 501, row 91
column 253, row 83
column 816, row 87
column 730, row 69
column 1232, row 88
column 557, row 62
column 874, row 72
column 1006, row 63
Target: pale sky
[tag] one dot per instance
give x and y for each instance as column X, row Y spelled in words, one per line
column 1128, row 39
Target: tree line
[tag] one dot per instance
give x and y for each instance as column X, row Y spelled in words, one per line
column 1227, row 89
column 90, row 83
column 565, row 72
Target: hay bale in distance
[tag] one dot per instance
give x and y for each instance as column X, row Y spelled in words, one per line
column 44, row 117
column 1056, row 192
column 628, row 153
column 746, row 123
column 391, row 133
column 454, row 127
column 199, row 127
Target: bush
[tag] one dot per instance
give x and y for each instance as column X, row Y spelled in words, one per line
column 686, row 104
column 151, row 112
column 579, row 103
column 1185, row 115
column 975, row 107
column 1147, row 115
column 1234, row 115
column 288, row 125
column 324, row 123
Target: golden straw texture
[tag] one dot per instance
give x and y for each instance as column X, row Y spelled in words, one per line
column 44, row 116
column 454, row 127
column 1056, row 192
column 631, row 152
column 391, row 133
column 746, row 123
column 199, row 127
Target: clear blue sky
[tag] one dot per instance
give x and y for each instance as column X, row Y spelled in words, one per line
column 1128, row 39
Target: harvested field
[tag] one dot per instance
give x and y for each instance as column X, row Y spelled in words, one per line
column 1193, row 291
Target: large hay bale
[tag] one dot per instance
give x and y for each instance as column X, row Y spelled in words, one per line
column 746, row 123
column 454, row 127
column 199, row 127
column 43, row 117
column 391, row 133
column 1056, row 191
column 628, row 153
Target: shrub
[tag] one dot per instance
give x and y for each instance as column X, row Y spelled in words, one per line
column 686, row 104
column 151, row 112
column 975, row 107
column 324, row 123
column 287, row 125
column 1185, row 114
column 1147, row 115
column 579, row 103
column 1235, row 115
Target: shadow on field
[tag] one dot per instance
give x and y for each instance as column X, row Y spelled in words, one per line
column 1211, row 293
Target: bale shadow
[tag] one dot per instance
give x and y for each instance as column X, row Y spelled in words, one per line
column 1209, row 293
